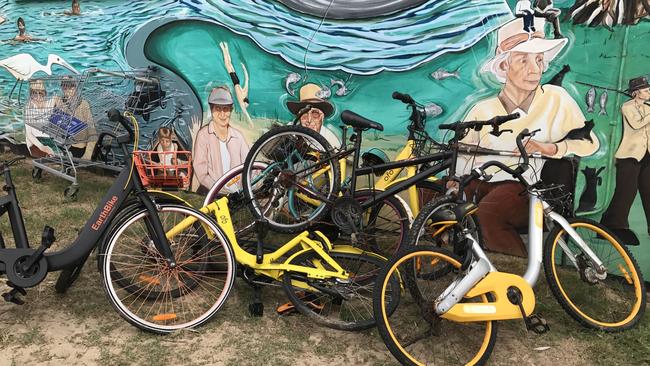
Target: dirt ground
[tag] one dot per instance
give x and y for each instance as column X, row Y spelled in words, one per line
column 81, row 328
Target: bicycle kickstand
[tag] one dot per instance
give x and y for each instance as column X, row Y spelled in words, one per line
column 256, row 307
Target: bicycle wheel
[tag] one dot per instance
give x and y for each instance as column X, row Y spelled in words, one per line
column 610, row 300
column 343, row 305
column 69, row 276
column 146, row 291
column 384, row 226
column 429, row 227
column 413, row 332
column 298, row 161
column 427, row 192
column 230, row 185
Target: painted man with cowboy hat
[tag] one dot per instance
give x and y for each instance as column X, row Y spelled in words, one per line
column 632, row 162
column 314, row 118
column 519, row 62
column 218, row 146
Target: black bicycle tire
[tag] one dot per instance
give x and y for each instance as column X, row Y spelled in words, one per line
column 317, row 318
column 327, row 149
column 558, row 292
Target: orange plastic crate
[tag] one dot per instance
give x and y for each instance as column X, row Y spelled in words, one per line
column 164, row 169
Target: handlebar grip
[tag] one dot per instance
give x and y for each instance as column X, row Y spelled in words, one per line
column 448, row 126
column 404, row 98
column 522, row 148
column 503, row 119
column 115, row 116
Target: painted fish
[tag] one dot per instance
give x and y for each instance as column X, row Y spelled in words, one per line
column 324, row 93
column 342, row 90
column 432, row 110
column 590, row 98
column 442, row 74
column 291, row 79
column 603, row 104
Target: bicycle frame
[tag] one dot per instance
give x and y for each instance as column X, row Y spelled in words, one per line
column 484, row 278
column 92, row 232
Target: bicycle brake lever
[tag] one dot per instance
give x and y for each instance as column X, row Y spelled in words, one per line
column 496, row 132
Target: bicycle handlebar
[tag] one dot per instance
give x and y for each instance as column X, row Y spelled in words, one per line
column 494, row 121
column 404, row 98
column 516, row 173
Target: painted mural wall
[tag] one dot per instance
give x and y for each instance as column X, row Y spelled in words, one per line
column 230, row 69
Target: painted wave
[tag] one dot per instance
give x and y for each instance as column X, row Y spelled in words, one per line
column 395, row 43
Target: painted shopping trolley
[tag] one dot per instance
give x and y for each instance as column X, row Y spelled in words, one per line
column 64, row 115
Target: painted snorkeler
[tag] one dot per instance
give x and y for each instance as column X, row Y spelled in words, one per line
column 76, row 9
column 22, row 33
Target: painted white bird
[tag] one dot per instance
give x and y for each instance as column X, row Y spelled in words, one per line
column 23, row 66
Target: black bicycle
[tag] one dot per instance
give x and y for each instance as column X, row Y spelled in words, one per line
column 302, row 179
column 160, row 276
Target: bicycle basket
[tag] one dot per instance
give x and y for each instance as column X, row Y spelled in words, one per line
column 164, row 169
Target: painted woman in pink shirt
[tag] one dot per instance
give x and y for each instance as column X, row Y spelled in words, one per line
column 218, row 146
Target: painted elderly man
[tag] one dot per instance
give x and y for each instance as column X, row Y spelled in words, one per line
column 316, row 115
column 632, row 162
column 219, row 146
column 518, row 64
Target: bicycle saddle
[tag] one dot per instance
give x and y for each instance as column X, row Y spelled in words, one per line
column 352, row 119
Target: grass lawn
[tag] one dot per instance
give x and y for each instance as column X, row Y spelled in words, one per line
column 81, row 328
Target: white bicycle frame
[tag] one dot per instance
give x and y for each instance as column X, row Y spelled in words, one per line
column 481, row 266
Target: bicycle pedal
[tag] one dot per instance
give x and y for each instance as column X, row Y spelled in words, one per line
column 12, row 296
column 47, row 238
column 537, row 324
column 256, row 309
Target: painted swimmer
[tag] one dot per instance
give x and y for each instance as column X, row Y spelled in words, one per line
column 75, row 10
column 22, row 33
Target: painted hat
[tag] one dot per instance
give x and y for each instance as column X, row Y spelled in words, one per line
column 308, row 96
column 511, row 37
column 637, row 84
column 69, row 81
column 220, row 96
column 37, row 85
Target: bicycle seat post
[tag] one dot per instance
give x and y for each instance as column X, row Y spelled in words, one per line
column 261, row 226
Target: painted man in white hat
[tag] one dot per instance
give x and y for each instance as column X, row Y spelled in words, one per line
column 632, row 162
column 519, row 62
column 218, row 146
column 315, row 117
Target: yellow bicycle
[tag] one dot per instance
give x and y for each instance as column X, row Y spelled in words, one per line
column 330, row 284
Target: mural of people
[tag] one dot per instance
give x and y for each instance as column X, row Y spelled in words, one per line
column 218, row 146
column 320, row 110
column 71, row 103
column 524, row 9
column 75, row 10
column 518, row 64
column 22, row 35
column 37, row 111
column 545, row 9
column 632, row 162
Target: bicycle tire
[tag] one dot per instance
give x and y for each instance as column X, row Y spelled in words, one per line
column 563, row 282
column 384, row 225
column 283, row 146
column 169, row 313
column 332, row 309
column 449, row 237
column 229, row 185
column 416, row 315
column 68, row 276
